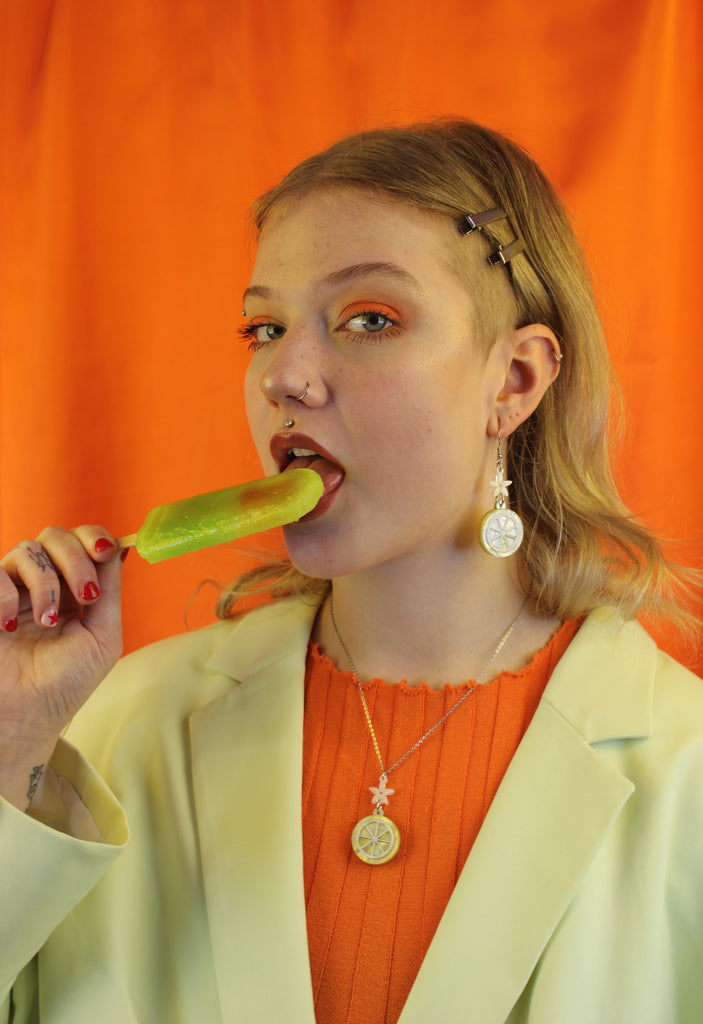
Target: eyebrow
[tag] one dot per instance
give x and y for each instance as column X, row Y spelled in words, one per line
column 345, row 275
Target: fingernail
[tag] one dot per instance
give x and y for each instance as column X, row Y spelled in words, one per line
column 90, row 591
column 124, row 553
column 50, row 617
column 103, row 544
column 10, row 625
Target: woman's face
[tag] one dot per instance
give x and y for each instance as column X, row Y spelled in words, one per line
column 359, row 298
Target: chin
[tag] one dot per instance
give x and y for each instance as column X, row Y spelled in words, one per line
column 306, row 554
column 320, row 557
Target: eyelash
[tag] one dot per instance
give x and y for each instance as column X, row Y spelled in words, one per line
column 248, row 332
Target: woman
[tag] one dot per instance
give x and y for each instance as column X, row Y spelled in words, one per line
column 500, row 775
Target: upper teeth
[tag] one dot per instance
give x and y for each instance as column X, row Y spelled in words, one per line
column 298, row 452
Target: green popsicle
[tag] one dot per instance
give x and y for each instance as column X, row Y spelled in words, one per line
column 220, row 516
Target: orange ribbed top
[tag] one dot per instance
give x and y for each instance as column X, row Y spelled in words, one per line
column 369, row 926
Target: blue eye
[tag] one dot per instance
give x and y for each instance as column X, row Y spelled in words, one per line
column 369, row 322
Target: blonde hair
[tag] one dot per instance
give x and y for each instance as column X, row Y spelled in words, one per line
column 582, row 546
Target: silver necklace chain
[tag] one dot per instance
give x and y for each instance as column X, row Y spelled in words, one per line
column 385, row 772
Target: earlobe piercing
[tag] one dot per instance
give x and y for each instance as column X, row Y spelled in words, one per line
column 501, row 531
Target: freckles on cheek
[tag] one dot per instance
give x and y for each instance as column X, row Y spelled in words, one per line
column 253, row 396
column 250, row 414
column 255, row 409
column 385, row 418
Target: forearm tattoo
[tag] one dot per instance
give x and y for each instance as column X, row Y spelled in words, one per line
column 40, row 559
column 34, row 780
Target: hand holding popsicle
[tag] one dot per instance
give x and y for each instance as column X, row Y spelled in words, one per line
column 60, row 623
column 60, row 635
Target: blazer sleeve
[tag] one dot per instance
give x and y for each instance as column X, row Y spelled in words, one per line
column 36, row 858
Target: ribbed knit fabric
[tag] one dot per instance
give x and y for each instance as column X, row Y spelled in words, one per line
column 369, row 926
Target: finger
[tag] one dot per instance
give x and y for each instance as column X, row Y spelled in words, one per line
column 53, row 575
column 9, row 603
column 98, row 542
column 29, row 566
column 74, row 561
column 103, row 618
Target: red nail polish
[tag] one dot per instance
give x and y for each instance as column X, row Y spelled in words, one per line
column 10, row 625
column 103, row 544
column 90, row 591
column 50, row 617
column 123, row 553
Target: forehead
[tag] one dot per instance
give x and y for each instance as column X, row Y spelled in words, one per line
column 326, row 232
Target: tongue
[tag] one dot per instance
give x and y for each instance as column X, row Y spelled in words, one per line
column 330, row 472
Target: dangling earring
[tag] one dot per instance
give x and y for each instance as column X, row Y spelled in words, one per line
column 500, row 533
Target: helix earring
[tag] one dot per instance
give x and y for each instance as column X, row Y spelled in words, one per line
column 501, row 531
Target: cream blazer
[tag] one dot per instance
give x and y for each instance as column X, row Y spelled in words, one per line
column 580, row 903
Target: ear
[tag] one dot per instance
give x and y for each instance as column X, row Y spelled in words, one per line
column 530, row 360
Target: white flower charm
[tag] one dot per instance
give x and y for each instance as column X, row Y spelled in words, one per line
column 381, row 792
column 500, row 485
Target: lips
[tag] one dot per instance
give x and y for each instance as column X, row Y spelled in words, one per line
column 293, row 451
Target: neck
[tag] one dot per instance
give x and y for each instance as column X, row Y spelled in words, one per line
column 398, row 627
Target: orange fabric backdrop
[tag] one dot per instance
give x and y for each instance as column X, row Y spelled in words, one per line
column 135, row 134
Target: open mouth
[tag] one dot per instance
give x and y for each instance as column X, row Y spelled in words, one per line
column 297, row 451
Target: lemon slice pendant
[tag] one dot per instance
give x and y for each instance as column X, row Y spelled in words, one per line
column 375, row 838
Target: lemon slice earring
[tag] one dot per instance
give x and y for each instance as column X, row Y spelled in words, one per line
column 501, row 531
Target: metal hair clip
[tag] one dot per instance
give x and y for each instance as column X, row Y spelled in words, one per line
column 506, row 252
column 475, row 221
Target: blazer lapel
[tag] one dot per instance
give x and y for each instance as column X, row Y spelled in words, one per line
column 247, row 769
column 552, row 812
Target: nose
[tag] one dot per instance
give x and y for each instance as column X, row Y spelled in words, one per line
column 292, row 375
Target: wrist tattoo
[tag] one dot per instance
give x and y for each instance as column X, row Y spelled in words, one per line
column 34, row 780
